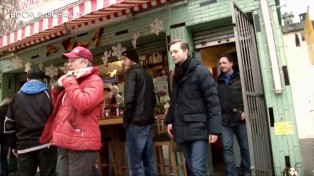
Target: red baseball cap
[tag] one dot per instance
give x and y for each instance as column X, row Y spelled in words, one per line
column 78, row 52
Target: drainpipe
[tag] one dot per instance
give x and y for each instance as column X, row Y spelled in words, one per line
column 275, row 67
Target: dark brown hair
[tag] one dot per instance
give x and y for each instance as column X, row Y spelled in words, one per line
column 228, row 56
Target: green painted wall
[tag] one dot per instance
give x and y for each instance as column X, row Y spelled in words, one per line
column 7, row 85
column 196, row 18
column 282, row 104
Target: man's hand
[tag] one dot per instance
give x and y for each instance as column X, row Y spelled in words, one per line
column 14, row 151
column 169, row 130
column 243, row 116
column 212, row 138
column 60, row 80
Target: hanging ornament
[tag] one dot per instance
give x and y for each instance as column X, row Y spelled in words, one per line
column 68, row 43
column 135, row 37
column 51, row 49
column 118, row 50
column 96, row 36
column 104, row 58
column 28, row 67
column 16, row 63
column 65, row 68
column 41, row 66
column 156, row 26
column 157, row 58
column 51, row 71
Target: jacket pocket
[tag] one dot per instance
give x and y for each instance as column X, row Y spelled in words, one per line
column 196, row 126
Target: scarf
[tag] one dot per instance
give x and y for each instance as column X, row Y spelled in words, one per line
column 180, row 69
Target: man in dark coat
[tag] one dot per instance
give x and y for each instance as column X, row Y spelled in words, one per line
column 193, row 118
column 138, row 116
column 233, row 116
column 24, row 123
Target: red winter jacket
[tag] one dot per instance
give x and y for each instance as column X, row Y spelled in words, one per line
column 74, row 123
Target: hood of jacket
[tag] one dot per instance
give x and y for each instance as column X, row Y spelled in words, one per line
column 33, row 87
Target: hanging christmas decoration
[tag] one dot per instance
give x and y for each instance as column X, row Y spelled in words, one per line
column 51, row 71
column 84, row 44
column 51, row 49
column 135, row 37
column 41, row 66
column 68, row 43
column 156, row 26
column 157, row 58
column 104, row 58
column 118, row 50
column 28, row 67
column 96, row 36
column 65, row 68
column 16, row 63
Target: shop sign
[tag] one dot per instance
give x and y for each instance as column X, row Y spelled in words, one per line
column 26, row 4
column 30, row 9
column 113, row 79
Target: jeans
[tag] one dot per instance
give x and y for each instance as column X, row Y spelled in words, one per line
column 227, row 141
column 4, row 158
column 140, row 145
column 195, row 153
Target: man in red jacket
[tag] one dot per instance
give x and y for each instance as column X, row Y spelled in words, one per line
column 78, row 101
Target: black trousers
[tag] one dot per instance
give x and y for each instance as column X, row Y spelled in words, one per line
column 45, row 159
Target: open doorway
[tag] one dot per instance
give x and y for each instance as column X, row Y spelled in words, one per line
column 210, row 58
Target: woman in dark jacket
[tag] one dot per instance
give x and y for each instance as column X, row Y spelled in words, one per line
column 4, row 143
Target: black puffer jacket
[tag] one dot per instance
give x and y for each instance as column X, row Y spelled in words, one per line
column 194, row 111
column 231, row 101
column 139, row 97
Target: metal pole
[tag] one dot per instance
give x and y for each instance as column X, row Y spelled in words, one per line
column 271, row 47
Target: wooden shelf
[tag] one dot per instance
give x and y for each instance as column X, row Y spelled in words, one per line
column 111, row 120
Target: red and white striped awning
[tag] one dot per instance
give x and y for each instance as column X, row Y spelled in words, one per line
column 86, row 13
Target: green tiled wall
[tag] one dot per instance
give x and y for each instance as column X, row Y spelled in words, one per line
column 282, row 104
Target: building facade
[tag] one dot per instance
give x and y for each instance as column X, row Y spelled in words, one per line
column 302, row 89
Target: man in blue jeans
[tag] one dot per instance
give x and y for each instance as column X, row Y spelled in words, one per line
column 138, row 117
column 193, row 118
column 233, row 117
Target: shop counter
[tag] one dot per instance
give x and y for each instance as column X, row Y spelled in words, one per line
column 116, row 146
column 111, row 120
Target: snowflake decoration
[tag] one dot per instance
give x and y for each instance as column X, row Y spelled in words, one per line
column 135, row 37
column 28, row 67
column 104, row 58
column 17, row 63
column 51, row 71
column 41, row 66
column 118, row 50
column 156, row 26
column 65, row 68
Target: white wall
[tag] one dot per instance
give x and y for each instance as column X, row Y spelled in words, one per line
column 301, row 75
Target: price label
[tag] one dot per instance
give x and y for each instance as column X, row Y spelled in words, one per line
column 283, row 128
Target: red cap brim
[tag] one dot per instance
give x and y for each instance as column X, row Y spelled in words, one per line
column 70, row 56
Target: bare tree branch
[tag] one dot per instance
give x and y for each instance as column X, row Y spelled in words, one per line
column 8, row 23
